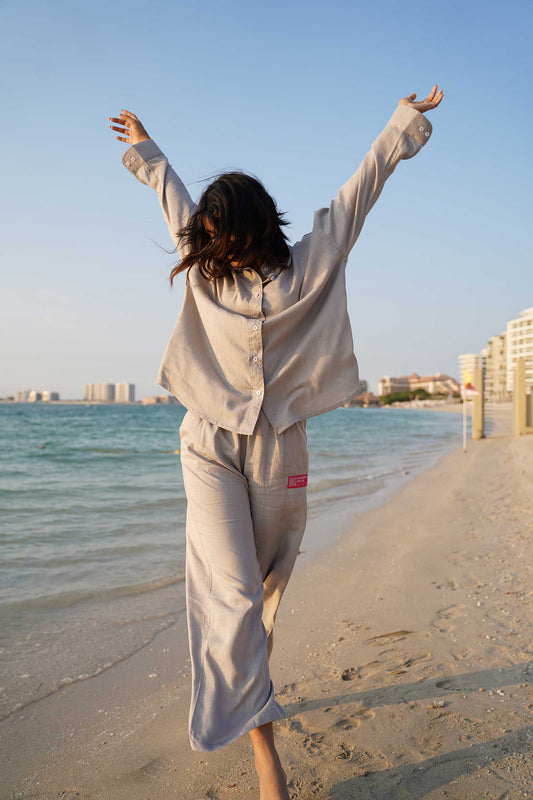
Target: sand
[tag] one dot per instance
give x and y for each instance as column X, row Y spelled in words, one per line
column 403, row 659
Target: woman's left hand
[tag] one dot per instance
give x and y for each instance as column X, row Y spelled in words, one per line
column 432, row 100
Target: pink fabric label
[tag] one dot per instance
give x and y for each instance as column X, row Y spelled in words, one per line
column 297, row 481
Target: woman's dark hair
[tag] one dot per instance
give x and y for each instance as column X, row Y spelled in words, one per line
column 244, row 225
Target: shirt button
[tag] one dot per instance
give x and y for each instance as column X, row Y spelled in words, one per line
column 257, row 294
column 258, row 391
column 255, row 358
column 254, row 327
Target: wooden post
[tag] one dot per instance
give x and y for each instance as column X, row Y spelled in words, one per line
column 519, row 398
column 478, row 405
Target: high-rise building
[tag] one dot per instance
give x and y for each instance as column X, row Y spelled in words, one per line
column 106, row 392
column 470, row 362
column 109, row 392
column 496, row 369
column 124, row 392
column 520, row 345
column 88, row 391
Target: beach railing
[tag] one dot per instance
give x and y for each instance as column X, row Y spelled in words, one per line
column 478, row 406
column 522, row 401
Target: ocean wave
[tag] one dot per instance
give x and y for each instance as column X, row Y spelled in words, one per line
column 68, row 599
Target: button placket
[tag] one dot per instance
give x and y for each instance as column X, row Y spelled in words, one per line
column 256, row 342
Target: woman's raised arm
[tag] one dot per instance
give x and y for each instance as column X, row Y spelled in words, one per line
column 405, row 134
column 150, row 166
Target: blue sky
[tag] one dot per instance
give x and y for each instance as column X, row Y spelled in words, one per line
column 295, row 93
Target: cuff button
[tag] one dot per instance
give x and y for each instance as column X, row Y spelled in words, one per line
column 427, row 133
column 127, row 163
column 133, row 158
column 421, row 130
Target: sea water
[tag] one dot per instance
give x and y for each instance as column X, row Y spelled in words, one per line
column 92, row 523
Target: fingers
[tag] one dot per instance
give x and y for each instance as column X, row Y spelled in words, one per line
column 122, row 139
column 128, row 114
column 433, row 99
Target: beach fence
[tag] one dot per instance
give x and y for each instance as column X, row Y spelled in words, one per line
column 488, row 419
column 522, row 401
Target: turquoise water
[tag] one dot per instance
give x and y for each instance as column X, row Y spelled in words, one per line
column 92, row 528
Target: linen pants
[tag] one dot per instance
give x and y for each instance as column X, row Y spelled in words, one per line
column 246, row 514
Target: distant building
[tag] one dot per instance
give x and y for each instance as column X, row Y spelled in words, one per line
column 88, row 389
column 496, row 369
column 160, row 399
column 32, row 396
column 109, row 392
column 520, row 345
column 389, row 385
column 432, row 384
column 366, row 400
column 472, row 361
column 124, row 392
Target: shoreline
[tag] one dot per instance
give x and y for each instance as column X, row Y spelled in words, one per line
column 98, row 628
column 124, row 735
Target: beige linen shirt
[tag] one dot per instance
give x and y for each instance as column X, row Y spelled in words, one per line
column 282, row 340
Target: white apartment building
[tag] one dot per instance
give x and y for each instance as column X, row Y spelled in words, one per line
column 34, row 396
column 470, row 362
column 520, row 345
column 496, row 369
column 124, row 392
column 109, row 392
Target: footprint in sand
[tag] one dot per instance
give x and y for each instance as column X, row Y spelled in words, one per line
column 364, row 671
column 387, row 638
column 405, row 664
column 312, row 743
column 445, row 684
column 302, row 788
column 460, row 653
column 343, row 753
column 449, row 583
column 354, row 719
column 443, row 618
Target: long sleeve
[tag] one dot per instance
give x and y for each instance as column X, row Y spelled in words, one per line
column 404, row 135
column 150, row 166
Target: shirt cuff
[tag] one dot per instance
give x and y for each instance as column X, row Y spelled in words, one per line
column 138, row 154
column 413, row 123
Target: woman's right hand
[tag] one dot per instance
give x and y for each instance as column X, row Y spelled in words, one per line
column 132, row 129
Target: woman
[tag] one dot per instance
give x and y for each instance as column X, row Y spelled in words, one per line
column 262, row 342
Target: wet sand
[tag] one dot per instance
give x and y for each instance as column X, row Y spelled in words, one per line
column 403, row 659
